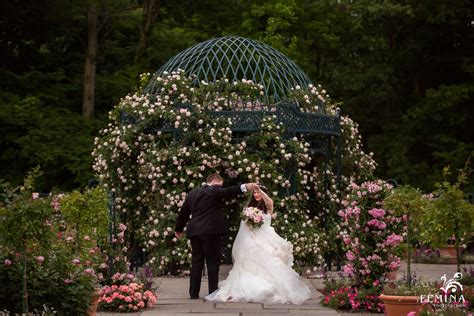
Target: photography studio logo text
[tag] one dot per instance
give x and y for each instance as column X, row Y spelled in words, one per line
column 450, row 294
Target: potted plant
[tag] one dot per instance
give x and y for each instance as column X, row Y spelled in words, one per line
column 409, row 203
column 403, row 296
column 450, row 215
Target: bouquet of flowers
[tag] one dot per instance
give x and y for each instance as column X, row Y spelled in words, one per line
column 252, row 216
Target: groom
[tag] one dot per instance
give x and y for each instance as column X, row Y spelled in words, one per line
column 206, row 228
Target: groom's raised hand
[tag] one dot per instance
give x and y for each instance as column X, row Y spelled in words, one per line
column 251, row 186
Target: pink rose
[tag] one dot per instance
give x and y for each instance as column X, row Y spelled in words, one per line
column 347, row 240
column 40, row 259
column 89, row 271
column 377, row 212
column 35, row 195
column 7, row 262
column 349, row 269
column 393, row 240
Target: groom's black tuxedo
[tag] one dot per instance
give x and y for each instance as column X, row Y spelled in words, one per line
column 205, row 204
column 205, row 230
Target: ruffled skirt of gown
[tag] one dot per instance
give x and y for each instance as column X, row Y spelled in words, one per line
column 262, row 270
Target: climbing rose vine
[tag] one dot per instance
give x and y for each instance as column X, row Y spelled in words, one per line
column 155, row 150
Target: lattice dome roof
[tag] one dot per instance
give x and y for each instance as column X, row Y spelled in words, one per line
column 237, row 58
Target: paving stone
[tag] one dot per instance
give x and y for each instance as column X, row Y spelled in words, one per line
column 295, row 307
column 227, row 313
column 167, row 308
column 242, row 306
column 166, row 313
column 266, row 312
column 115, row 314
column 205, row 311
column 330, row 312
column 181, row 301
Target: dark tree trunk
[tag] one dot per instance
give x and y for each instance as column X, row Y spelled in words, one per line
column 90, row 64
column 149, row 17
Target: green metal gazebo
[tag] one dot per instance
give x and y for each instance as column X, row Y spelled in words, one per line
column 236, row 58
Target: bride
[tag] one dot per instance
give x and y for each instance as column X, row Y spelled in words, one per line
column 262, row 264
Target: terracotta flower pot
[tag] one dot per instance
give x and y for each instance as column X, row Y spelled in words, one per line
column 401, row 305
column 448, row 253
column 94, row 303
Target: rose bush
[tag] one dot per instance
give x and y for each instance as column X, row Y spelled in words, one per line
column 150, row 170
column 340, row 294
column 370, row 234
column 125, row 294
column 45, row 255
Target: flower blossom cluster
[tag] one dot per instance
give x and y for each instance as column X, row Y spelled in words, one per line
column 353, row 299
column 126, row 298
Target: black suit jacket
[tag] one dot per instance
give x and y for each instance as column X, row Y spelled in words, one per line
column 205, row 204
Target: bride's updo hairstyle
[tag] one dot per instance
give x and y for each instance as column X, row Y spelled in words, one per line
column 258, row 204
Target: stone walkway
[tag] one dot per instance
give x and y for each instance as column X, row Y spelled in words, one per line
column 173, row 298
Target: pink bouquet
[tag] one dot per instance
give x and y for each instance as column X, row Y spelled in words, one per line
column 252, row 216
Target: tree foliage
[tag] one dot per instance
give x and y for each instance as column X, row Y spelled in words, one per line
column 404, row 70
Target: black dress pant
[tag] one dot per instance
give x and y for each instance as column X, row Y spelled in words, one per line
column 205, row 247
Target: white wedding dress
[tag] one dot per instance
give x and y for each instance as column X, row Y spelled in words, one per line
column 262, row 270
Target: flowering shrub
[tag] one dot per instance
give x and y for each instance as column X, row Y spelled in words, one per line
column 125, row 298
column 370, row 234
column 150, row 171
column 126, row 294
column 41, row 252
column 342, row 296
column 52, row 281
